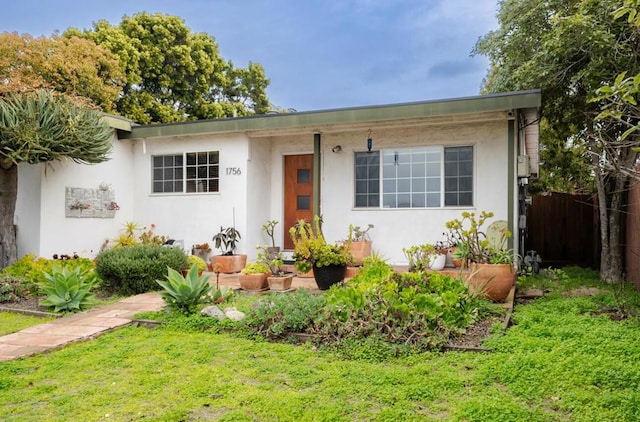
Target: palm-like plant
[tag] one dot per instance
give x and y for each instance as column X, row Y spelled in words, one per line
column 38, row 127
column 184, row 293
column 68, row 290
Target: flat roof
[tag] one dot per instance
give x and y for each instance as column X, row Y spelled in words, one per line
column 344, row 116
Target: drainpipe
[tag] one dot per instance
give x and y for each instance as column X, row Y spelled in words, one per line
column 511, row 179
column 317, row 159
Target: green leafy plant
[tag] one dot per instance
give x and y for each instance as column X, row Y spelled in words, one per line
column 197, row 261
column 419, row 256
column 357, row 234
column 255, row 268
column 280, row 315
column 227, row 240
column 184, row 293
column 135, row 269
column 6, row 292
column 269, row 229
column 31, row 269
column 311, row 248
column 501, row 256
column 273, row 260
column 12, row 287
column 133, row 234
column 468, row 230
column 415, row 310
column 68, row 290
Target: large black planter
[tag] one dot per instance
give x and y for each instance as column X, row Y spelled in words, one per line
column 328, row 275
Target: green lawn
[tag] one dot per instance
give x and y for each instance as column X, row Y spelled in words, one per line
column 11, row 322
column 558, row 362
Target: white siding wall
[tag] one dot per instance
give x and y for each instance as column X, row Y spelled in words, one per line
column 398, row 228
column 194, row 218
column 28, row 205
column 259, row 195
column 256, row 194
column 42, row 226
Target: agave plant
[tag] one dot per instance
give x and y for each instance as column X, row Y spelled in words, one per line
column 184, row 293
column 68, row 290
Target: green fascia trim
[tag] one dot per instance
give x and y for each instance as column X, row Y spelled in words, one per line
column 314, row 120
column 117, row 122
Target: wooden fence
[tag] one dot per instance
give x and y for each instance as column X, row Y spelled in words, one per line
column 564, row 230
column 632, row 243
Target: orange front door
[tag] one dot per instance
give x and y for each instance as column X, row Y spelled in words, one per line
column 298, row 192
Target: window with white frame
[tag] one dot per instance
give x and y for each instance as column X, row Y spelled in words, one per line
column 416, row 177
column 189, row 172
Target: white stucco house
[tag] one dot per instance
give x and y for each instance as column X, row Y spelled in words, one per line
column 405, row 168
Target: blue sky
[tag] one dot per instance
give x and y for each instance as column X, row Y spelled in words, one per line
column 317, row 54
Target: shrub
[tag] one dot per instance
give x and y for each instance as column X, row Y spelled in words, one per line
column 282, row 314
column 68, row 290
column 32, row 269
column 135, row 269
column 197, row 261
column 12, row 288
column 185, row 293
column 412, row 309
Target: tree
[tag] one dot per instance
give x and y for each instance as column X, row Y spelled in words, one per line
column 39, row 127
column 176, row 75
column 570, row 49
column 71, row 65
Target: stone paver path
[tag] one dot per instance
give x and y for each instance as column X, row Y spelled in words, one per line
column 78, row 327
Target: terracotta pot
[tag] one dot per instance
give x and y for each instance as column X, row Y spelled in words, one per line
column 494, row 280
column 328, row 275
column 351, row 272
column 457, row 263
column 360, row 250
column 253, row 281
column 280, row 283
column 228, row 264
column 308, row 274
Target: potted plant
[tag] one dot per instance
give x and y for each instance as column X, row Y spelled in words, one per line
column 226, row 240
column 425, row 257
column 492, row 269
column 439, row 259
column 254, row 276
column 197, row 261
column 460, row 255
column 202, row 251
column 329, row 261
column 279, row 280
column 360, row 243
column 269, row 229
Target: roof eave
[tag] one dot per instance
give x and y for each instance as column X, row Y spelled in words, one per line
column 346, row 116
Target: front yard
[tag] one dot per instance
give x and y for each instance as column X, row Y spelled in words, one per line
column 563, row 359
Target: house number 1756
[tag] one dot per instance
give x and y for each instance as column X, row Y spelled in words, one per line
column 233, row 171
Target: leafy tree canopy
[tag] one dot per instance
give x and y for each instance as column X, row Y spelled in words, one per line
column 71, row 65
column 578, row 52
column 173, row 74
column 569, row 49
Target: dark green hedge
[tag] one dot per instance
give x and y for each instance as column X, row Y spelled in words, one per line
column 134, row 269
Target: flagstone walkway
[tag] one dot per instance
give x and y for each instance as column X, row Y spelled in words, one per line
column 94, row 322
column 78, row 327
